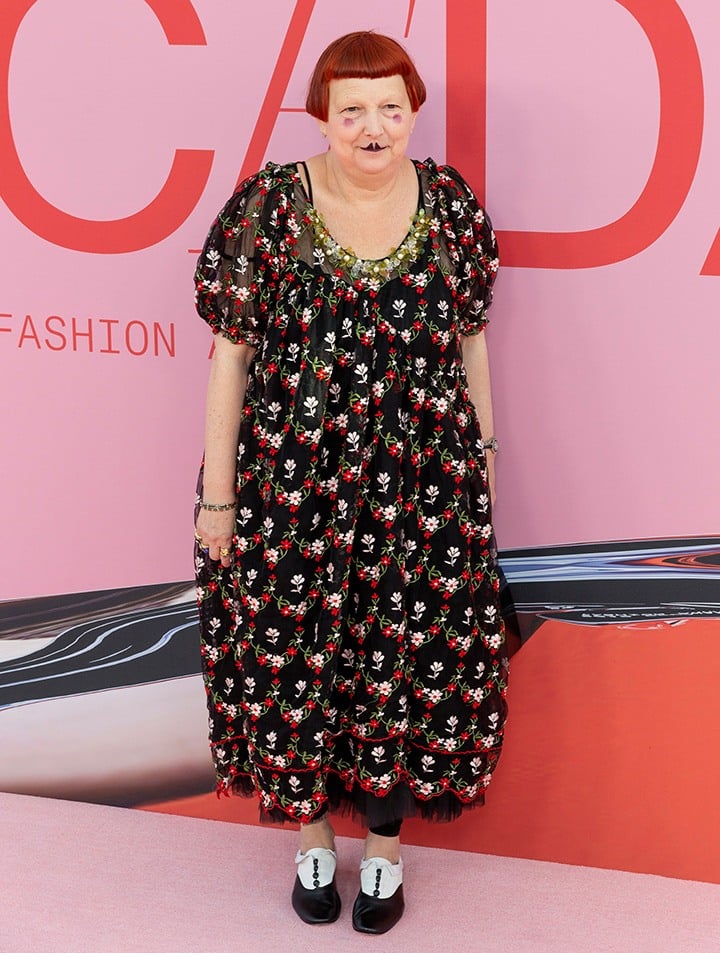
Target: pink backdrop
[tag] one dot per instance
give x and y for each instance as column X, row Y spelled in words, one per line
column 604, row 376
column 123, row 127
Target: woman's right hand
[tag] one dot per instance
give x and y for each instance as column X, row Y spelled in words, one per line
column 214, row 531
column 225, row 400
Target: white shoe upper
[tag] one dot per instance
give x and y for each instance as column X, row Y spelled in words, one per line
column 316, row 868
column 379, row 878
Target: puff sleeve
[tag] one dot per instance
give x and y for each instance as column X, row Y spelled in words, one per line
column 472, row 250
column 233, row 293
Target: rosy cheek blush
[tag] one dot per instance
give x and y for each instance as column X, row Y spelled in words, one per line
column 347, row 122
column 397, row 118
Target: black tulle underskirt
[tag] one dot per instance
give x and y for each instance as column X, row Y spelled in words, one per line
column 367, row 809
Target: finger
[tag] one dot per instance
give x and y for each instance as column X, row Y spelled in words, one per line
column 220, row 554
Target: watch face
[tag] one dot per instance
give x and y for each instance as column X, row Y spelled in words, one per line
column 491, row 444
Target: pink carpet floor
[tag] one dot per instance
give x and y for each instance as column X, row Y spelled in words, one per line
column 79, row 878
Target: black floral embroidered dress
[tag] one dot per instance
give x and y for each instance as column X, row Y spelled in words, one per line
column 355, row 651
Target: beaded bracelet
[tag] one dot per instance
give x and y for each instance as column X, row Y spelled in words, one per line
column 218, row 507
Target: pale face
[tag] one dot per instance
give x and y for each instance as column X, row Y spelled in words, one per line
column 369, row 123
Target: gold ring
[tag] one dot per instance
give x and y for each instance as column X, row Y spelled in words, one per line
column 224, row 552
column 199, row 538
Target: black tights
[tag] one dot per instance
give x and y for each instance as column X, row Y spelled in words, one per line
column 383, row 830
column 388, row 830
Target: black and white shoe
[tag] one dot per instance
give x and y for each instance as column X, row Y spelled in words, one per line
column 315, row 898
column 381, row 902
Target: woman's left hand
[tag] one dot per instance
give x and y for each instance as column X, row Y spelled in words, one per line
column 214, row 533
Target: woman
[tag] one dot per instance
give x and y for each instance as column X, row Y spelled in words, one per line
column 348, row 591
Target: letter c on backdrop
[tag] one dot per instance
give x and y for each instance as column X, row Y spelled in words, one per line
column 178, row 197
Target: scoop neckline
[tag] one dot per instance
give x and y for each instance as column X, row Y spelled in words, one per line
column 317, row 214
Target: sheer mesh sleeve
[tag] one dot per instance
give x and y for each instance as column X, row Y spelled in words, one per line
column 472, row 250
column 232, row 292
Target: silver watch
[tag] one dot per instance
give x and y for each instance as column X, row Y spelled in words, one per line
column 491, row 444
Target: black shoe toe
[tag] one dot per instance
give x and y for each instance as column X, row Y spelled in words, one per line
column 316, row 905
column 375, row 915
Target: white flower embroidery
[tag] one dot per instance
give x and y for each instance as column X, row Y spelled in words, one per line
column 453, row 555
column 432, row 493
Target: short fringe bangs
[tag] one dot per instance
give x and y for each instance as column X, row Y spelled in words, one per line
column 364, row 55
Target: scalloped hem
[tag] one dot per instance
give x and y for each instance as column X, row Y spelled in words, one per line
column 363, row 807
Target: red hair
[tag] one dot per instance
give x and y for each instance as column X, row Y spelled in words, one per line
column 364, row 55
